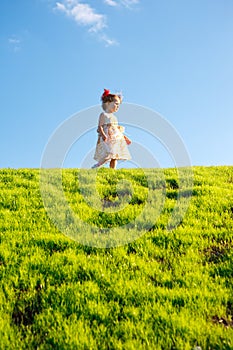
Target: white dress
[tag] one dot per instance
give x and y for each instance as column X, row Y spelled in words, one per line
column 115, row 147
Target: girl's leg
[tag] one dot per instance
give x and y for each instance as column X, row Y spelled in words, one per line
column 113, row 163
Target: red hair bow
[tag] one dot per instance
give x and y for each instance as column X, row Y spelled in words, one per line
column 106, row 93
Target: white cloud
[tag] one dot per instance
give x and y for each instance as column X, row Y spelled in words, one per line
column 14, row 43
column 61, row 7
column 126, row 3
column 129, row 2
column 111, row 2
column 83, row 14
column 108, row 41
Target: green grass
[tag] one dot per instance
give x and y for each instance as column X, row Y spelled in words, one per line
column 168, row 289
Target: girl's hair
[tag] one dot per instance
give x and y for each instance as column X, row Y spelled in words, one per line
column 108, row 97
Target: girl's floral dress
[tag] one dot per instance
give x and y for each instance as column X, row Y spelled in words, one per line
column 115, row 147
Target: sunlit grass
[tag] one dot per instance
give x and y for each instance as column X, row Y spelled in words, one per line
column 169, row 289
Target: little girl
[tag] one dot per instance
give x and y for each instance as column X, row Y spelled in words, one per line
column 112, row 143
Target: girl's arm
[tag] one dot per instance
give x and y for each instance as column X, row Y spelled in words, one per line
column 102, row 133
column 100, row 127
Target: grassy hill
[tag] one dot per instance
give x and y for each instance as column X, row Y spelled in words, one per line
column 168, row 289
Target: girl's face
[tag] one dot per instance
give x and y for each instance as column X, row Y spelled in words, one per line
column 114, row 105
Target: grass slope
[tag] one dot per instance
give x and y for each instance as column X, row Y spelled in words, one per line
column 169, row 289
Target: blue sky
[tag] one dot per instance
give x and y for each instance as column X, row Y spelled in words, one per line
column 174, row 57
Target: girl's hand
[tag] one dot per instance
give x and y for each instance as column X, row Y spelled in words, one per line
column 121, row 128
column 104, row 137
